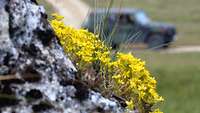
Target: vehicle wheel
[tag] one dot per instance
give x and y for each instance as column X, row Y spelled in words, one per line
column 156, row 42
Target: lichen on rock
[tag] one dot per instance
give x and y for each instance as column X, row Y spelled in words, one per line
column 35, row 74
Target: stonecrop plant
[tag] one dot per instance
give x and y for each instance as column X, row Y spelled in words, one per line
column 120, row 74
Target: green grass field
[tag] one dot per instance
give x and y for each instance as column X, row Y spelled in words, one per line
column 178, row 78
column 184, row 14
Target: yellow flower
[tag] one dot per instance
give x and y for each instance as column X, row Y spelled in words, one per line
column 58, row 17
column 130, row 104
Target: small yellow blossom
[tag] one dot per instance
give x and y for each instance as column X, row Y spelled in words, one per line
column 156, row 111
column 58, row 17
column 130, row 104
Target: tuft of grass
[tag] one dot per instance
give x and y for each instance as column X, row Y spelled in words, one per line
column 184, row 14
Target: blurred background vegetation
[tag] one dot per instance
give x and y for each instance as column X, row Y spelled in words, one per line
column 178, row 74
column 182, row 13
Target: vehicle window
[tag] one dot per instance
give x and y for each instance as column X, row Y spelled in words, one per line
column 126, row 19
column 142, row 17
column 130, row 20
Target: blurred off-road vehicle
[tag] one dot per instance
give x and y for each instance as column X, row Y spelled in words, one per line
column 129, row 26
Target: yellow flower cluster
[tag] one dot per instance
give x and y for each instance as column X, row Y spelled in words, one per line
column 125, row 75
column 133, row 80
column 82, row 46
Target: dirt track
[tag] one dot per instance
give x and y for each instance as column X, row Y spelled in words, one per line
column 183, row 49
column 74, row 11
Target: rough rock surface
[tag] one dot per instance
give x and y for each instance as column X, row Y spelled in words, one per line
column 35, row 74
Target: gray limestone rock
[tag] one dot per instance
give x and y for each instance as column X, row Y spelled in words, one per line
column 35, row 73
